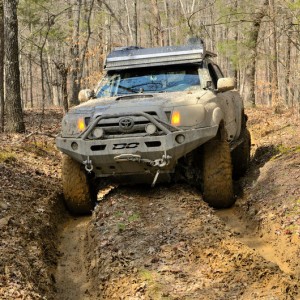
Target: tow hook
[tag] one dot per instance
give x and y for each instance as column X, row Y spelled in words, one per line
column 88, row 164
column 162, row 162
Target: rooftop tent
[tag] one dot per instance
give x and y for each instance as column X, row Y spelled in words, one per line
column 136, row 57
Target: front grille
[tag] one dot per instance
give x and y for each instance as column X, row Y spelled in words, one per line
column 126, row 126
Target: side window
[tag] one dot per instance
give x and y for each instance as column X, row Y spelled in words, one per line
column 218, row 71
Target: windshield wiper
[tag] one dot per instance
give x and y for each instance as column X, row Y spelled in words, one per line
column 127, row 89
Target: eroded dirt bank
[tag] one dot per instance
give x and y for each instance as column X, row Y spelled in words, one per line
column 31, row 210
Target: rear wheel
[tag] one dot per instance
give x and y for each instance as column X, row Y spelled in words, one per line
column 78, row 191
column 217, row 174
column 241, row 155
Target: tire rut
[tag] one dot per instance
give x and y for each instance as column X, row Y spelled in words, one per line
column 71, row 276
column 247, row 232
column 71, row 273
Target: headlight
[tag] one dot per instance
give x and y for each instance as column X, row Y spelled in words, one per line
column 73, row 124
column 188, row 115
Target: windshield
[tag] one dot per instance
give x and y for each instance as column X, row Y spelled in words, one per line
column 149, row 80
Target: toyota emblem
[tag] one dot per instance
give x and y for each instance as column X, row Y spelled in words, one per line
column 126, row 123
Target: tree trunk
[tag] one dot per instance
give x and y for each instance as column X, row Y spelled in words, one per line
column 75, row 83
column 128, row 21
column 289, row 98
column 23, row 85
column 85, row 43
column 1, row 68
column 236, row 39
column 49, row 99
column 249, row 88
column 50, row 78
column 158, row 34
column 135, row 20
column 64, row 90
column 63, row 72
column 168, row 23
column 274, row 58
column 15, row 121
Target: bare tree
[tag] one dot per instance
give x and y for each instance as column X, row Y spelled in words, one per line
column 128, row 20
column 75, row 84
column 135, row 18
column 1, row 68
column 15, row 121
column 158, row 32
column 274, row 54
column 254, row 27
column 111, row 11
column 78, row 53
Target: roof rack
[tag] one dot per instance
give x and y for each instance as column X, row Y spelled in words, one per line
column 136, row 57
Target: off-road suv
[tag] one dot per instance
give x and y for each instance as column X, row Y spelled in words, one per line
column 159, row 114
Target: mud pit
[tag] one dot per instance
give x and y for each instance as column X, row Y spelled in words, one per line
column 161, row 243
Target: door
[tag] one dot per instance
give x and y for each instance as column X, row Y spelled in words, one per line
column 228, row 102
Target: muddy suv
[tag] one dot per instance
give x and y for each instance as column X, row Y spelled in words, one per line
column 159, row 114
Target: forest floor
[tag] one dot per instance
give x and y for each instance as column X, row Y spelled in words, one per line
column 151, row 243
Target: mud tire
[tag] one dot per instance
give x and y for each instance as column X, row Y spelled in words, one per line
column 241, row 155
column 217, row 174
column 77, row 188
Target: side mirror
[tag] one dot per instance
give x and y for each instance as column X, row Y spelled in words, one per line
column 225, row 84
column 85, row 95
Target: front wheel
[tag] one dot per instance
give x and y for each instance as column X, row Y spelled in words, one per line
column 217, row 174
column 77, row 188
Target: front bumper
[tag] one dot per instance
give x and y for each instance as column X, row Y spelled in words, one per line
column 134, row 155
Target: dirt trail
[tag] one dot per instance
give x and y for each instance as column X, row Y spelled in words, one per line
column 71, row 274
column 166, row 243
column 161, row 243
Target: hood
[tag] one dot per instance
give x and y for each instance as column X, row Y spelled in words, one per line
column 138, row 102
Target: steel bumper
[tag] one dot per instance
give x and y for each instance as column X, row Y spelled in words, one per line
column 135, row 155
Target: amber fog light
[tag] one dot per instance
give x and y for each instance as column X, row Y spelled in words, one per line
column 81, row 124
column 176, row 118
column 74, row 146
column 150, row 128
column 180, row 138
